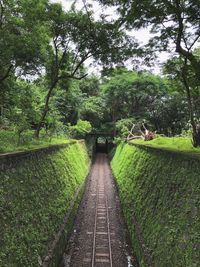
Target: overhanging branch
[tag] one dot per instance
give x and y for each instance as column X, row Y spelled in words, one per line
column 6, row 74
column 77, row 78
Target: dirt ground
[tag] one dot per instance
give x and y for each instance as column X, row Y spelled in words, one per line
column 80, row 251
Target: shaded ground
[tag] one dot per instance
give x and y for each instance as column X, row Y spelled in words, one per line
column 100, row 189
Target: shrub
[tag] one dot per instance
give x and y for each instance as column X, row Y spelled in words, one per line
column 80, row 129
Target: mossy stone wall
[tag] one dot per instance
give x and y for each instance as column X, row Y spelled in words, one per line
column 36, row 191
column 160, row 196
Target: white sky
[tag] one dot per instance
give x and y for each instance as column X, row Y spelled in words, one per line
column 142, row 35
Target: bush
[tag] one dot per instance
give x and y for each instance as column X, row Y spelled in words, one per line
column 80, row 129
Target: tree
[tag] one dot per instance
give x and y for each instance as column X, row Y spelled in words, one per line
column 23, row 36
column 180, row 71
column 76, row 36
column 80, row 129
column 93, row 109
column 130, row 94
column 90, row 86
column 68, row 100
column 174, row 23
column 169, row 115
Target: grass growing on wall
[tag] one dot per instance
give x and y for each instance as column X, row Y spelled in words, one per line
column 162, row 189
column 35, row 195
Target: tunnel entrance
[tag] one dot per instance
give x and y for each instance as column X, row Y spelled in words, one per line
column 101, row 142
column 101, row 145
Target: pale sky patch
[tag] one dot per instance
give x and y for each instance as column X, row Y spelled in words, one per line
column 142, row 35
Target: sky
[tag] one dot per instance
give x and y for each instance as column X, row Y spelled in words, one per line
column 142, row 35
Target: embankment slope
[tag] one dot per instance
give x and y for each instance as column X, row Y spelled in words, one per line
column 160, row 196
column 37, row 189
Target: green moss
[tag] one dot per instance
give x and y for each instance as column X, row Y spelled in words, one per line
column 35, row 194
column 162, row 189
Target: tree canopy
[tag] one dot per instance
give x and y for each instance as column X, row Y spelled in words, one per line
column 45, row 86
column 174, row 24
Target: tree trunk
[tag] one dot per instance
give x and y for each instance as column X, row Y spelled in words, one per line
column 195, row 127
column 196, row 137
column 45, row 111
column 195, row 63
column 114, row 120
column 6, row 75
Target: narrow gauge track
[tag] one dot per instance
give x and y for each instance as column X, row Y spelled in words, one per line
column 98, row 238
column 101, row 248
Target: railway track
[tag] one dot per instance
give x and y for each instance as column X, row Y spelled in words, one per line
column 99, row 238
column 102, row 249
column 101, row 255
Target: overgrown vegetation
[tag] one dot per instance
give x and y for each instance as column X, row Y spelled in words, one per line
column 9, row 141
column 36, row 191
column 43, row 83
column 46, row 97
column 172, row 143
column 159, row 192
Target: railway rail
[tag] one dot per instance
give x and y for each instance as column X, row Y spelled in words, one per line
column 101, row 255
column 102, row 249
column 98, row 239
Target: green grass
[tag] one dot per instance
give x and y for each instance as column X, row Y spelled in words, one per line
column 183, row 144
column 9, row 141
column 163, row 191
column 35, row 194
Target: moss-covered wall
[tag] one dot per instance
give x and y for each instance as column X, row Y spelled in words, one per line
column 160, row 196
column 36, row 191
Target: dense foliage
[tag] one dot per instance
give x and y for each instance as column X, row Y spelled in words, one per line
column 133, row 97
column 159, row 193
column 174, row 27
column 110, row 104
column 46, row 45
column 173, row 24
column 43, row 85
column 47, row 96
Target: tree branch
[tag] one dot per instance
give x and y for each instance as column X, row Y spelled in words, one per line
column 77, row 78
column 6, row 74
column 64, row 53
column 88, row 55
column 195, row 40
column 1, row 12
column 187, row 54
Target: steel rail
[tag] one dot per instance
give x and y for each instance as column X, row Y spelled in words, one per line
column 107, row 220
column 95, row 228
column 109, row 239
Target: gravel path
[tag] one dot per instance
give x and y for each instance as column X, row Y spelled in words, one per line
column 99, row 213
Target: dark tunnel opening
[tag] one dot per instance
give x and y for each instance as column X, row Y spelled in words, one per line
column 103, row 145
